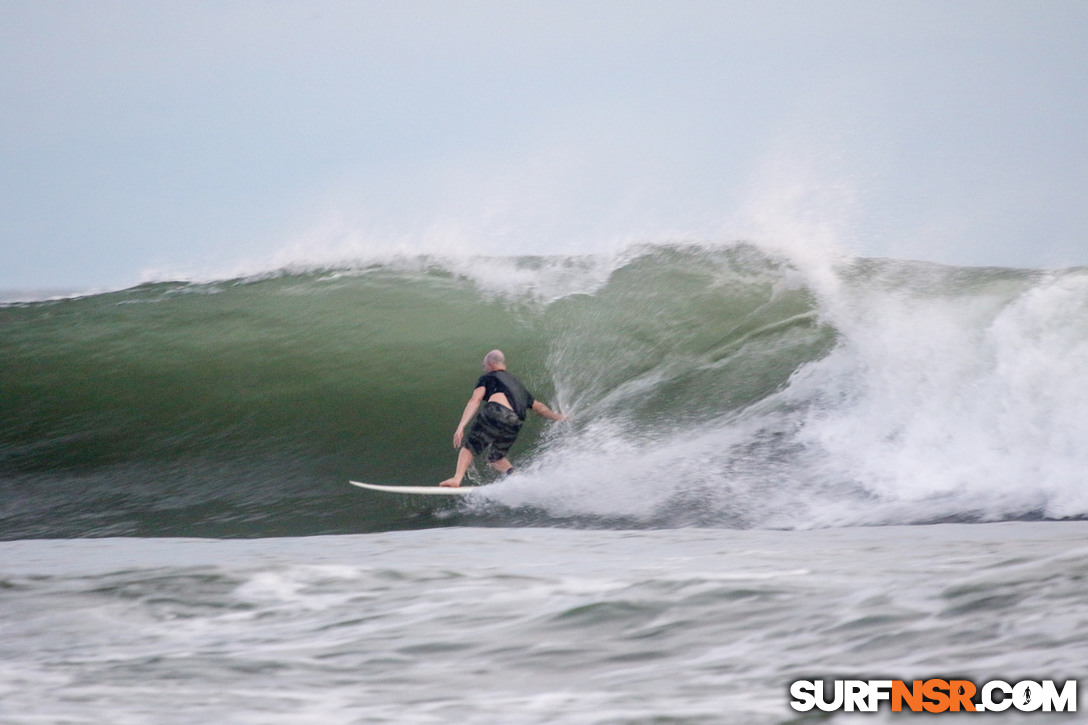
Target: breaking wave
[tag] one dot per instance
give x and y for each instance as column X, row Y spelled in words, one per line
column 708, row 385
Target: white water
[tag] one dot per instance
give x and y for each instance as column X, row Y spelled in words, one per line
column 527, row 626
column 956, row 399
column 948, row 394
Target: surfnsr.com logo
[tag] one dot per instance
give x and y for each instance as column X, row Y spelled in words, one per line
column 934, row 696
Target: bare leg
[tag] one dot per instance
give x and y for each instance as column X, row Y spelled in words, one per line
column 464, row 458
column 502, row 465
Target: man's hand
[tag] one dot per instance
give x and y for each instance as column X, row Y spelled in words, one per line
column 543, row 410
column 457, row 435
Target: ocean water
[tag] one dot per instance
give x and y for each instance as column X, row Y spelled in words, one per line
column 531, row 625
column 776, row 469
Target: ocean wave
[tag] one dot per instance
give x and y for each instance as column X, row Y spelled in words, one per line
column 709, row 385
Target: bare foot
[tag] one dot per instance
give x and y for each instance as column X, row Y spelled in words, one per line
column 450, row 483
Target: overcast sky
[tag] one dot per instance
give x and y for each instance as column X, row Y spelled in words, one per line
column 146, row 140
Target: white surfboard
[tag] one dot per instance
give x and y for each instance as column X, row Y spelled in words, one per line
column 424, row 490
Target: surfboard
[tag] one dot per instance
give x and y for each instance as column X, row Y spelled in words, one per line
column 423, row 490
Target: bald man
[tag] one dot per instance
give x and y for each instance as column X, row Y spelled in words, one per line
column 502, row 402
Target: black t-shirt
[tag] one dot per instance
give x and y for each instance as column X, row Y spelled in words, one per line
column 500, row 381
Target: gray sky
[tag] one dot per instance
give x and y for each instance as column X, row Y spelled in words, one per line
column 142, row 140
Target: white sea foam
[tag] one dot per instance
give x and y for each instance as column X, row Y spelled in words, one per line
column 947, row 394
column 972, row 402
column 524, row 626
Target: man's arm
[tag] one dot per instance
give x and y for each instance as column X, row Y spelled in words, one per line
column 541, row 409
column 471, row 407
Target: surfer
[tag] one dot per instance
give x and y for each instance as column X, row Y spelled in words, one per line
column 502, row 402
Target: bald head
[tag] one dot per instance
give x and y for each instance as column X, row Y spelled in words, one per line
column 494, row 360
